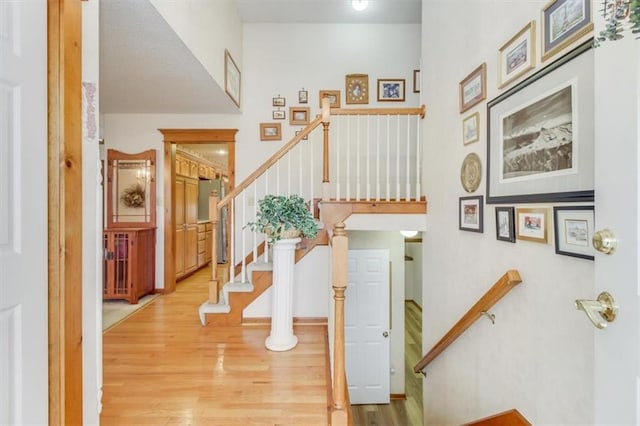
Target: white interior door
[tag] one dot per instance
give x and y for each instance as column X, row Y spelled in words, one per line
column 367, row 327
column 617, row 378
column 23, row 212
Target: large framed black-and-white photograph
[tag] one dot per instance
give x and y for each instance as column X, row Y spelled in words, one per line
column 540, row 135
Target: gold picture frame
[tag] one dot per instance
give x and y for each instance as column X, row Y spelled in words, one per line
column 531, row 224
column 357, row 89
column 270, row 131
column 299, row 115
column 517, row 56
column 232, row 78
column 473, row 88
column 471, row 129
column 556, row 34
column 333, row 95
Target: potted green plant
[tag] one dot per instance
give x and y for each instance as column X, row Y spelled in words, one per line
column 281, row 217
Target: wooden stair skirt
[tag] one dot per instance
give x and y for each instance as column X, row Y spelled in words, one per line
column 506, row 418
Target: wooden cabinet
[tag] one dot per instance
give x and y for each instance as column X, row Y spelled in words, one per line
column 129, row 263
column 208, row 240
column 186, row 255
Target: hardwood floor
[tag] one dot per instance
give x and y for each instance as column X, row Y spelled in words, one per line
column 161, row 367
column 401, row 412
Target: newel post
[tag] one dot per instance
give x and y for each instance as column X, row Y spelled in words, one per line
column 340, row 247
column 213, row 217
column 326, row 114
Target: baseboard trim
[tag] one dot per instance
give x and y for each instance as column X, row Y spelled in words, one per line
column 413, row 302
column 296, row 320
column 398, row 396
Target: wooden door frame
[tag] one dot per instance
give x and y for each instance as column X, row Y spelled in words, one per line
column 64, row 171
column 186, row 136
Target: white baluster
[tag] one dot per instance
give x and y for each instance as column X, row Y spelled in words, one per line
column 278, row 177
column 377, row 157
column 338, row 121
column 358, row 157
column 418, row 160
column 408, row 157
column 398, row 158
column 255, row 215
column 311, row 173
column 388, row 156
column 300, row 167
column 243, row 251
column 266, row 192
column 232, row 242
column 289, row 155
column 368, row 158
column 348, row 191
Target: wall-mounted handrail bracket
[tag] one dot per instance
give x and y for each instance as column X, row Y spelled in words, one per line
column 491, row 316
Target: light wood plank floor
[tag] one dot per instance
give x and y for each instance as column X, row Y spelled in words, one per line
column 401, row 412
column 161, row 367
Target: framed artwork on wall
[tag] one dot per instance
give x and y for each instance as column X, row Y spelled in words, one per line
column 278, row 101
column 574, row 228
column 298, row 115
column 505, row 224
column 303, row 96
column 473, row 88
column 278, row 114
column 540, row 135
column 517, row 56
column 416, row 81
column 391, row 90
column 232, row 78
column 563, row 23
column 357, row 89
column 270, row 132
column 333, row 95
column 531, row 224
column 471, row 129
column 470, row 214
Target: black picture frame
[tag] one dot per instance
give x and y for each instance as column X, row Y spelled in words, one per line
column 583, row 219
column 505, row 224
column 573, row 73
column 471, row 214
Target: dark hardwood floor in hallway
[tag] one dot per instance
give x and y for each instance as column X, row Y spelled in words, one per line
column 400, row 412
column 161, row 367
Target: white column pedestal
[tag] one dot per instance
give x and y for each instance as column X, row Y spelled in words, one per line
column 281, row 337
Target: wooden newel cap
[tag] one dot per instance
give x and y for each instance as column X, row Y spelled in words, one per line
column 338, row 230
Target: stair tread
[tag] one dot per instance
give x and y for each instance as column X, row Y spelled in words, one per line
column 260, row 266
column 238, row 287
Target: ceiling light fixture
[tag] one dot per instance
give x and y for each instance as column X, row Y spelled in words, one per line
column 360, row 5
column 409, row 234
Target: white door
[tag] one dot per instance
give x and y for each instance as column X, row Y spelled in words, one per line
column 617, row 87
column 367, row 327
column 23, row 212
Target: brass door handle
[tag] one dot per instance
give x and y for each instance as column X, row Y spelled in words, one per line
column 603, row 308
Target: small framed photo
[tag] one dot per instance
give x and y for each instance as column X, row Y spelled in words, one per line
column 471, row 129
column 270, row 132
column 333, row 95
column 505, row 224
column 470, row 214
column 303, row 96
column 517, row 56
column 298, row 115
column 278, row 114
column 473, row 89
column 563, row 23
column 232, row 78
column 531, row 225
column 416, row 81
column 390, row 90
column 305, row 137
column 574, row 228
column 278, row 102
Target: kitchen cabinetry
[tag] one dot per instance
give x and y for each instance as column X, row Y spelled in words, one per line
column 186, row 255
column 129, row 263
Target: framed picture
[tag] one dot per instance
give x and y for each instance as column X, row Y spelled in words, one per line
column 471, row 129
column 473, row 89
column 333, row 95
column 232, row 78
column 270, row 132
column 278, row 101
column 304, row 138
column 505, row 224
column 531, row 225
column 416, row 81
column 278, row 114
column 470, row 214
column 574, row 228
column 471, row 172
column 390, row 90
column 299, row 115
column 517, row 56
column 303, row 96
column 540, row 135
column 563, row 23
column 357, row 89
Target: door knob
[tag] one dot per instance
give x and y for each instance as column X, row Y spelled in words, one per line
column 605, row 307
column 604, row 241
column 385, row 334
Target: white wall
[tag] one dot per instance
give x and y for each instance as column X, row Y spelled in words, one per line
column 413, row 272
column 91, row 221
column 394, row 242
column 538, row 357
column 207, row 28
column 133, row 133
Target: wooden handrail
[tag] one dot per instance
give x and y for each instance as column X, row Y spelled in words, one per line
column 421, row 111
column 509, row 280
column 270, row 162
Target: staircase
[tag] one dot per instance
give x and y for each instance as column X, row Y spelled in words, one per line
column 371, row 164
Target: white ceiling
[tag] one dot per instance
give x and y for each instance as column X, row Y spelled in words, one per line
column 140, row 53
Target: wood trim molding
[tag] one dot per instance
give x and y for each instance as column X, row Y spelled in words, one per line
column 296, row 320
column 421, row 111
column 171, row 138
column 397, row 397
column 64, row 18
